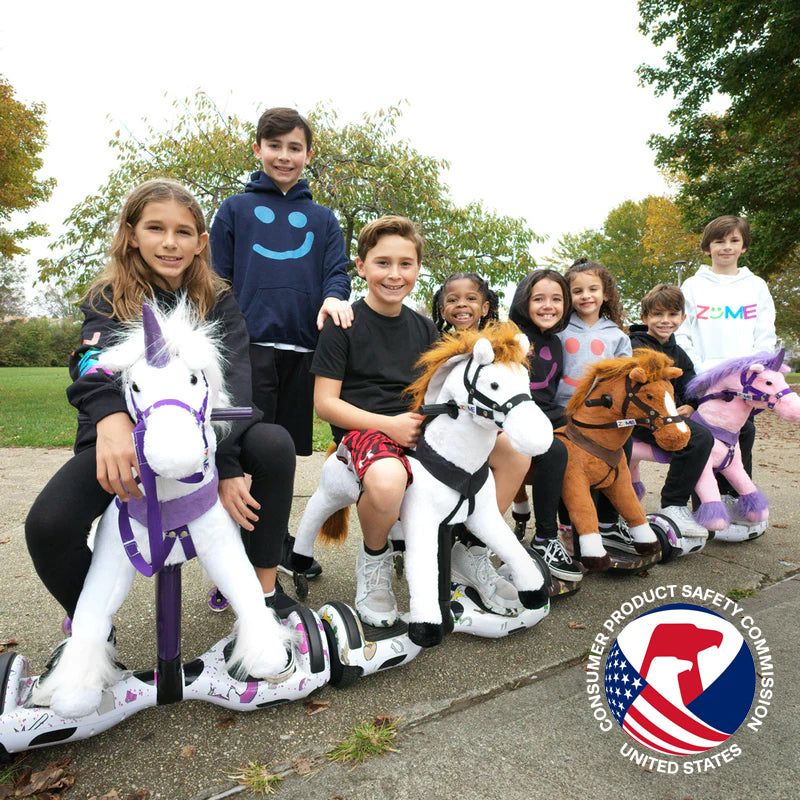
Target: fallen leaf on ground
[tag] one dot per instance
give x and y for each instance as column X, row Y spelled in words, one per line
column 303, row 766
column 779, row 525
column 315, row 706
column 5, row 540
column 228, row 722
column 188, row 750
column 39, row 784
column 577, row 626
column 382, row 721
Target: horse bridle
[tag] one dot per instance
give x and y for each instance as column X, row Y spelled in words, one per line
column 478, row 404
column 181, row 510
column 749, row 392
column 631, row 391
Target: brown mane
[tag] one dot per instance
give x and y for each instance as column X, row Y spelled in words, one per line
column 652, row 362
column 501, row 335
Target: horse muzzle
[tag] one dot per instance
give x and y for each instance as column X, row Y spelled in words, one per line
column 174, row 444
column 528, row 429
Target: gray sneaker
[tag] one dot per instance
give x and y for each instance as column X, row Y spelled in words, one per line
column 682, row 517
column 375, row 601
column 471, row 566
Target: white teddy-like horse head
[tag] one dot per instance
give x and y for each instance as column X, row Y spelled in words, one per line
column 176, row 356
column 498, row 374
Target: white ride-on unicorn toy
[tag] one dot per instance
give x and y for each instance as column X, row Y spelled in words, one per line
column 171, row 371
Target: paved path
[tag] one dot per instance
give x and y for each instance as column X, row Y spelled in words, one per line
column 484, row 718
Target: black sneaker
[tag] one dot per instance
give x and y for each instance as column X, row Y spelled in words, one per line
column 520, row 524
column 558, row 560
column 618, row 537
column 285, row 566
column 280, row 602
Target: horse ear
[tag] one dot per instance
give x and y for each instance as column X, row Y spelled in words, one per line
column 438, row 378
column 673, row 372
column 756, row 368
column 638, row 375
column 483, row 352
column 524, row 342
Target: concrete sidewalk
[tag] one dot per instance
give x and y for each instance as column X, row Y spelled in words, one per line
column 484, row 718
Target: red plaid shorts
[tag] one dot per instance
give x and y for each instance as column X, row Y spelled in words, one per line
column 361, row 449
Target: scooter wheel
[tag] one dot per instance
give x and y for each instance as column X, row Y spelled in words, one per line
column 8, row 694
column 662, row 526
column 342, row 675
column 300, row 585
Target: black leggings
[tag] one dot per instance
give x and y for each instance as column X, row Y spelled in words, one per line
column 61, row 517
column 546, row 490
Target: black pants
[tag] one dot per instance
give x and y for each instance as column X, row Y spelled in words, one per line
column 283, row 388
column 685, row 466
column 546, row 487
column 59, row 521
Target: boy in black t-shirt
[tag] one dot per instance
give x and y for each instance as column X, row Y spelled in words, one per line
column 361, row 375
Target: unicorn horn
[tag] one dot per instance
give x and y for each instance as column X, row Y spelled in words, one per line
column 155, row 348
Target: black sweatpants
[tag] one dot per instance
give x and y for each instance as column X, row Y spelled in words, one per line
column 61, row 517
column 685, row 466
column 283, row 388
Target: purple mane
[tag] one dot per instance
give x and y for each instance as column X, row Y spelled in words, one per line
column 703, row 382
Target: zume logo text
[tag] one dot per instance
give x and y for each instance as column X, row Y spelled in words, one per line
column 726, row 312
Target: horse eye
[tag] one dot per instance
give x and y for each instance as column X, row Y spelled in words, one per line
column 769, row 383
column 649, row 396
column 193, row 380
column 495, row 385
column 134, row 387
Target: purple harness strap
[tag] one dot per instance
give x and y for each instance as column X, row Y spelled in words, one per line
column 166, row 522
column 728, row 438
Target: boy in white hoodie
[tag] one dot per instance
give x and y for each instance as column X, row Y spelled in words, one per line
column 729, row 310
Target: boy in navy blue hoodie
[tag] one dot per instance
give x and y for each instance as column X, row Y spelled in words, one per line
column 662, row 314
column 285, row 258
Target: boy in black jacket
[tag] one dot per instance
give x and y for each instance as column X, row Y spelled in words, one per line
column 662, row 314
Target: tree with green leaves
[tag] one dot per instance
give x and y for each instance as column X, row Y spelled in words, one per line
column 641, row 242
column 23, row 135
column 743, row 160
column 359, row 170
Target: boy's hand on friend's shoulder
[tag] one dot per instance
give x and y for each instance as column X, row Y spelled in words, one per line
column 404, row 428
column 340, row 311
column 685, row 410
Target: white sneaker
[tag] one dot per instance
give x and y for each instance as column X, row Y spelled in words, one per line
column 682, row 517
column 375, row 601
column 471, row 566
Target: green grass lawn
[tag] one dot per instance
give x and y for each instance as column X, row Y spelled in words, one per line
column 34, row 411
column 793, row 378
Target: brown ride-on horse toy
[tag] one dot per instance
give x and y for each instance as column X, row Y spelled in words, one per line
column 613, row 396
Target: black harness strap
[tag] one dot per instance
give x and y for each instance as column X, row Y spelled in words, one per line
column 630, row 397
column 467, row 484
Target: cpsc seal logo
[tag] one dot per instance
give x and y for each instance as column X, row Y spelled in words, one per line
column 680, row 679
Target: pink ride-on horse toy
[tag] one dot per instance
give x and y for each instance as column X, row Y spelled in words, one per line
column 728, row 395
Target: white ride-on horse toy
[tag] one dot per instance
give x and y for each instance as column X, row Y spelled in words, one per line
column 473, row 384
column 172, row 375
